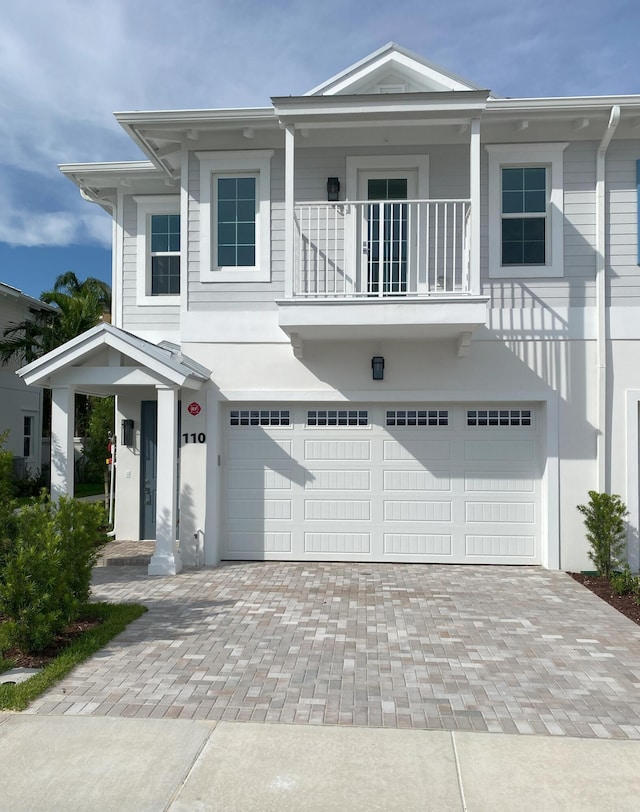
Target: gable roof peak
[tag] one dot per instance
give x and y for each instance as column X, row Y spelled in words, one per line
column 392, row 65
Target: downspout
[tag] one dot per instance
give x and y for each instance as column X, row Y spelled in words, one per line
column 601, row 303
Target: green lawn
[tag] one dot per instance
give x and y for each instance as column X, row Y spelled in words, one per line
column 115, row 618
column 88, row 488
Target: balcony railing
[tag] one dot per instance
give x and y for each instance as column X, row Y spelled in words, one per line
column 354, row 249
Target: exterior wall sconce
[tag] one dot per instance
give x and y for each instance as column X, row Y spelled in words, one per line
column 377, row 366
column 333, row 189
column 126, row 434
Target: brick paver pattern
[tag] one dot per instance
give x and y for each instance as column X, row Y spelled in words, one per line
column 504, row 649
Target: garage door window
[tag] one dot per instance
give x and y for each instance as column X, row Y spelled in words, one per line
column 338, row 417
column 499, row 417
column 259, row 417
column 418, row 417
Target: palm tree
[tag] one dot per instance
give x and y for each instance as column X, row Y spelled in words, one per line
column 78, row 307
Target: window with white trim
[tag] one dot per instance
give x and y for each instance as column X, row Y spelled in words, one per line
column 235, row 216
column 526, row 210
column 158, row 249
column 28, row 436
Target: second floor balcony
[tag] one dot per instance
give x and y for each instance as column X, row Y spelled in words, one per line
column 382, row 268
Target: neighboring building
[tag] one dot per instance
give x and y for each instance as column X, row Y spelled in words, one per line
column 20, row 405
column 394, row 319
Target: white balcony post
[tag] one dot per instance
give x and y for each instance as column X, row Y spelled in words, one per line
column 289, row 201
column 166, row 559
column 62, row 456
column 474, row 219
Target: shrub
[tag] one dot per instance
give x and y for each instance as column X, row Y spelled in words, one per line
column 31, row 483
column 623, row 582
column 604, row 517
column 7, row 503
column 46, row 576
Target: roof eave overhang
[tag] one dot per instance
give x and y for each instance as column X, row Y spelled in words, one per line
column 376, row 108
column 559, row 104
column 141, row 126
column 95, row 180
column 165, row 366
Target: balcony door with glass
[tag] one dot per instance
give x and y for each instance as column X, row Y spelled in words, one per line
column 385, row 230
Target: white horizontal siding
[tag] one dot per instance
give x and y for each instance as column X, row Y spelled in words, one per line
column 134, row 317
column 576, row 287
column 623, row 272
column 449, row 178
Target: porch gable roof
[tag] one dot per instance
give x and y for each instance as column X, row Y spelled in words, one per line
column 164, row 362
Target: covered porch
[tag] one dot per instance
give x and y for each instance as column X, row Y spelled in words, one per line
column 109, row 361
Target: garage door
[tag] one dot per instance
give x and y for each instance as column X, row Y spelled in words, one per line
column 427, row 483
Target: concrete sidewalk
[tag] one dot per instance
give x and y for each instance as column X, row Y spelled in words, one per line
column 105, row 763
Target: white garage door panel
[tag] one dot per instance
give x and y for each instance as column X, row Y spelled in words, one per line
column 256, row 508
column 347, row 450
column 396, row 511
column 500, row 512
column 421, row 450
column 417, row 544
column 489, row 450
column 447, row 491
column 338, row 481
column 253, row 544
column 418, row 481
column 338, row 543
column 333, row 510
column 256, row 450
column 501, row 546
column 509, row 483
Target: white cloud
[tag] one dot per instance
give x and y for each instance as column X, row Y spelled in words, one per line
column 66, row 65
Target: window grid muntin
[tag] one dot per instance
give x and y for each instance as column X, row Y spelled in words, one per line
column 524, row 215
column 236, row 199
column 499, row 418
column 260, row 417
column 27, row 436
column 164, row 241
column 417, row 417
column 337, row 417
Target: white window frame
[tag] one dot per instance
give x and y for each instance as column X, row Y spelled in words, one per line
column 235, row 163
column 148, row 205
column 33, row 436
column 549, row 156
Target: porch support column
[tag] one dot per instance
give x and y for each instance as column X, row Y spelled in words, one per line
column 474, row 220
column 62, row 456
column 166, row 559
column 289, row 200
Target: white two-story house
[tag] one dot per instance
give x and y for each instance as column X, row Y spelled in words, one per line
column 21, row 407
column 395, row 319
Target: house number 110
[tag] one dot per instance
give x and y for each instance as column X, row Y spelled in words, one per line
column 194, row 438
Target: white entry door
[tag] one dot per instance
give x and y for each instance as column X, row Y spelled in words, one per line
column 394, row 482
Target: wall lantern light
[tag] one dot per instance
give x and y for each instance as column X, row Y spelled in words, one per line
column 377, row 365
column 333, row 189
column 126, row 434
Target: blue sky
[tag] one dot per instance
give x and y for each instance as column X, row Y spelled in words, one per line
column 65, row 66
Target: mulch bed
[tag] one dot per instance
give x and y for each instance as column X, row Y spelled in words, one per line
column 61, row 641
column 600, row 586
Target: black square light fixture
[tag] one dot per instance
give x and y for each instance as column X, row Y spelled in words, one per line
column 126, row 435
column 377, row 365
column 333, row 189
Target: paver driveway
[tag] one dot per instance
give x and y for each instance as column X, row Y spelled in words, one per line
column 443, row 647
